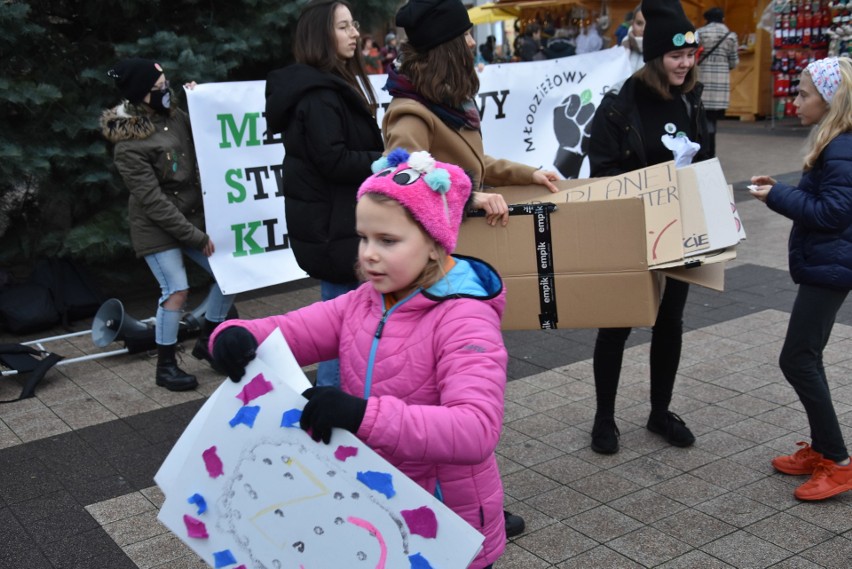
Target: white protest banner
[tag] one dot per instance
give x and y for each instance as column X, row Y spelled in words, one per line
column 240, row 169
column 537, row 113
column 540, row 113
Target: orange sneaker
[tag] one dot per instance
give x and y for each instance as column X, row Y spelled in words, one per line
column 828, row 479
column 802, row 461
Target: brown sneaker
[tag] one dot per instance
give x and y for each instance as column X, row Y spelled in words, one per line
column 828, row 479
column 802, row 461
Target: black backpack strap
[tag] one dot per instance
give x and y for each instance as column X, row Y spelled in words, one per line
column 709, row 53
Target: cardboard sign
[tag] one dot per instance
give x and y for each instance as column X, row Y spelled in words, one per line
column 582, row 257
column 657, row 187
column 723, row 226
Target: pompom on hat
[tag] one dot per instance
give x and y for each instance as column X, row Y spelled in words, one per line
column 666, row 28
column 825, row 74
column 429, row 23
column 135, row 77
column 435, row 193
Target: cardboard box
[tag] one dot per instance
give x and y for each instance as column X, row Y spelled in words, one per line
column 582, row 257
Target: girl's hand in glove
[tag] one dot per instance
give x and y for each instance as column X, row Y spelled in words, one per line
column 235, row 347
column 329, row 407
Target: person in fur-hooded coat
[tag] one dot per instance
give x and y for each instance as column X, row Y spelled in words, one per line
column 155, row 155
column 156, row 158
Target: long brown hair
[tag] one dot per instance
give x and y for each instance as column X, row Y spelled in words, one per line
column 315, row 44
column 444, row 74
column 653, row 74
column 837, row 119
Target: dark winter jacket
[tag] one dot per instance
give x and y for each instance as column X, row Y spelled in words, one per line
column 330, row 140
column 559, row 47
column 156, row 158
column 616, row 144
column 821, row 210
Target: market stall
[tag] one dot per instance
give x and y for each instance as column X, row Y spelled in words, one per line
column 606, row 14
column 803, row 31
column 777, row 39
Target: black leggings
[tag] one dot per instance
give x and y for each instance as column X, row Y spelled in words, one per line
column 710, row 138
column 666, row 341
column 808, row 332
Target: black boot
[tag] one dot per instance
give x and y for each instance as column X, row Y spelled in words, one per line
column 169, row 375
column 200, row 351
column 514, row 524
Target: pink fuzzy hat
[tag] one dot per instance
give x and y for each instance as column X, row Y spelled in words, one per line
column 435, row 193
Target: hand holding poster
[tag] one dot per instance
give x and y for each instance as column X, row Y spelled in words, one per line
column 246, row 487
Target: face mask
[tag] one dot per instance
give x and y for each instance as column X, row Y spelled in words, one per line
column 161, row 101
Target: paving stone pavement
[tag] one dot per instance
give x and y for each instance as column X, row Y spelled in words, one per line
column 77, row 461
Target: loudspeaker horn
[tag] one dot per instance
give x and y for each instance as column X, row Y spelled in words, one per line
column 111, row 323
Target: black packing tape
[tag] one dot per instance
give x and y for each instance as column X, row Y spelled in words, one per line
column 548, row 317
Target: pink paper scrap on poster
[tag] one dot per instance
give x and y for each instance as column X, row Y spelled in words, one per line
column 421, row 521
column 213, row 462
column 254, row 389
column 344, row 452
column 195, row 528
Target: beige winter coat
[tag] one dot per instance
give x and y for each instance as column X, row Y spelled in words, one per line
column 410, row 125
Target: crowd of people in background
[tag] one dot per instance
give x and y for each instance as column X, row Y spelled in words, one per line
column 535, row 42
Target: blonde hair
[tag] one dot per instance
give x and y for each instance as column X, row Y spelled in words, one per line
column 434, row 269
column 836, row 120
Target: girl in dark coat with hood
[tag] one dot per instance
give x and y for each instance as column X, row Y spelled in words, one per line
column 821, row 264
column 659, row 102
column 331, row 138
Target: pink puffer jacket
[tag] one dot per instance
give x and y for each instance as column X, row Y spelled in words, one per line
column 434, row 371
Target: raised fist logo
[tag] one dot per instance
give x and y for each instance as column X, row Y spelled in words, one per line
column 572, row 123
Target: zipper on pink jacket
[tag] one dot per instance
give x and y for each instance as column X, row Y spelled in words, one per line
column 368, row 382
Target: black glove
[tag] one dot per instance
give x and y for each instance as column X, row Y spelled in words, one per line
column 235, row 347
column 329, row 407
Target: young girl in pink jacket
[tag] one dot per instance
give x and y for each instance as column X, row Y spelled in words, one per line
column 422, row 360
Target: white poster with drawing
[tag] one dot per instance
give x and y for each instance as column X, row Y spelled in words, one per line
column 246, row 487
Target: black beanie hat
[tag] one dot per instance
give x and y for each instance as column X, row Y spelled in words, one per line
column 666, row 28
column 134, row 77
column 715, row 14
column 429, row 23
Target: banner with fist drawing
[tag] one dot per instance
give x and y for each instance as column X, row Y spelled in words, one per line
column 537, row 113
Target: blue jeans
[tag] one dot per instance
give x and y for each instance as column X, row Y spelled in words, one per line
column 808, row 331
column 328, row 372
column 170, row 272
